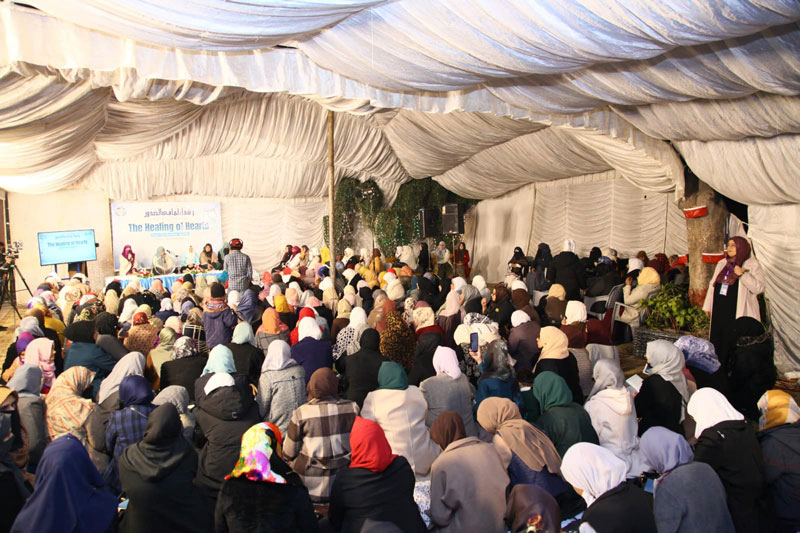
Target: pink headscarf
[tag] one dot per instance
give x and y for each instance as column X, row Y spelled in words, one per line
column 452, row 304
column 40, row 353
column 445, row 361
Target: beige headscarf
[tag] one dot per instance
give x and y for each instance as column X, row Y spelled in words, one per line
column 500, row 416
column 111, row 302
column 557, row 291
column 555, row 344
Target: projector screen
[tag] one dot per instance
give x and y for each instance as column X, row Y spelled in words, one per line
column 59, row 247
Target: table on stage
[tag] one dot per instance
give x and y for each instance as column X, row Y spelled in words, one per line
column 167, row 280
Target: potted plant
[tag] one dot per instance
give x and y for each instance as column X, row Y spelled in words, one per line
column 670, row 315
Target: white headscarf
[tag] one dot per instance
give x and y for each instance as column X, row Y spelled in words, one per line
column 166, row 304
column 667, row 361
column 308, row 328
column 395, row 289
column 607, row 374
column 458, row 282
column 274, row 290
column 324, row 285
column 358, row 317
column 575, row 312
column 128, row 309
column 234, row 297
column 445, row 361
column 519, row 317
column 218, row 380
column 130, row 365
column 279, row 356
column 592, row 469
column 634, row 263
column 709, row 407
column 519, row 284
column 569, row 246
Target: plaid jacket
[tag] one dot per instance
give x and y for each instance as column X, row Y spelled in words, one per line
column 239, row 270
column 318, row 443
column 125, row 427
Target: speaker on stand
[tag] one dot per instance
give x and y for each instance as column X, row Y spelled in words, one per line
column 427, row 222
column 453, row 219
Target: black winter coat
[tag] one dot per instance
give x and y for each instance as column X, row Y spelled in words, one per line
column 183, row 372
column 732, row 450
column 428, row 339
column 248, row 360
column 522, row 345
column 624, row 509
column 222, row 418
column 254, row 506
column 566, row 269
column 360, row 371
column 359, row 494
column 781, row 448
column 163, row 498
column 567, row 368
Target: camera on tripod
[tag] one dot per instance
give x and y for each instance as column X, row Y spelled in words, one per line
column 12, row 251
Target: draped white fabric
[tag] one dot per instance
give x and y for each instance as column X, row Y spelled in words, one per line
column 753, row 171
column 594, row 210
column 778, row 252
column 570, row 108
column 765, row 61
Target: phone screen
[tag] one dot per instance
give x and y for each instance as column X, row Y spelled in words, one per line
column 647, row 368
column 473, row 342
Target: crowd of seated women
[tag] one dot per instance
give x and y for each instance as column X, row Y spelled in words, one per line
column 382, row 399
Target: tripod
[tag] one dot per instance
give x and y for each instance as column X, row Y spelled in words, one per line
column 8, row 288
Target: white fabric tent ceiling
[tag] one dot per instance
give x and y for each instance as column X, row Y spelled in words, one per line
column 146, row 99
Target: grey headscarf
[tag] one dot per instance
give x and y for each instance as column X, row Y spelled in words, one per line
column 27, row 381
column 607, row 375
column 176, row 395
column 183, row 347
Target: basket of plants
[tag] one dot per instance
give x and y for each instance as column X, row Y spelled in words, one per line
column 670, row 316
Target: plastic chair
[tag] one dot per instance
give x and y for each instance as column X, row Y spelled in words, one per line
column 589, row 301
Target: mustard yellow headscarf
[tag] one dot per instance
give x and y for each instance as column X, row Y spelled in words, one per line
column 777, row 408
column 649, row 275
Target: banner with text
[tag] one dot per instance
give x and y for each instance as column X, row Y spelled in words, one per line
column 174, row 225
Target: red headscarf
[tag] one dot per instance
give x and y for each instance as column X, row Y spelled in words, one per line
column 369, row 447
column 727, row 275
column 139, row 319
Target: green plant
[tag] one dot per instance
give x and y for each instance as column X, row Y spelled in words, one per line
column 393, row 226
column 671, row 310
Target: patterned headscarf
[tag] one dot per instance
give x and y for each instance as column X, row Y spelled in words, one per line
column 67, row 409
column 776, row 408
column 184, row 347
column 253, row 463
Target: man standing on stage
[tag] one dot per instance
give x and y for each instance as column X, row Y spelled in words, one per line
column 238, row 267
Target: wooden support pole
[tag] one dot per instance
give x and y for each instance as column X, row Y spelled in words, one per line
column 330, row 197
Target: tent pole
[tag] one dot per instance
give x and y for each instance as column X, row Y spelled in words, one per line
column 330, row 196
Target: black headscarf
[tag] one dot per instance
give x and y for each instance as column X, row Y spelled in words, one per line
column 106, row 324
column 163, row 447
column 518, row 254
column 80, row 331
column 424, row 259
column 595, row 254
column 115, row 286
column 543, row 256
column 370, row 340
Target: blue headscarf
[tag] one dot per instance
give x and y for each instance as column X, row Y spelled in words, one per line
column 135, row 390
column 69, row 491
column 243, row 334
column 699, row 353
column 220, row 360
column 664, row 450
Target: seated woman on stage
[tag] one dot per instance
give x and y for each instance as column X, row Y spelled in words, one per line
column 127, row 261
column 189, row 259
column 163, row 263
column 207, row 257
